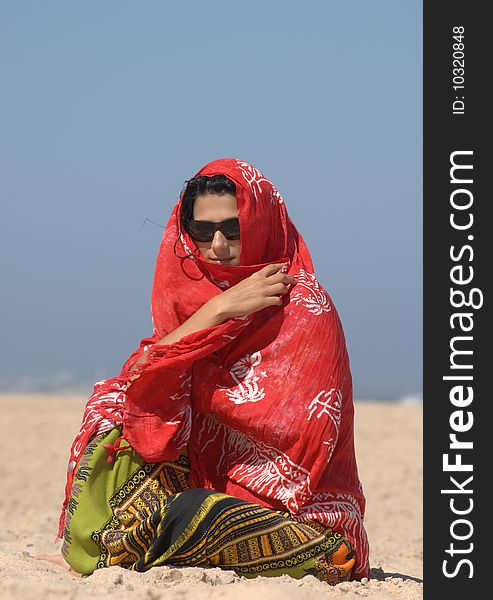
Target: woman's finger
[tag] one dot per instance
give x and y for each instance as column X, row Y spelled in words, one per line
column 274, row 301
column 278, row 288
column 270, row 269
column 282, row 277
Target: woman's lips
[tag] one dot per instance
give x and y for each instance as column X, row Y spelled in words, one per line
column 221, row 260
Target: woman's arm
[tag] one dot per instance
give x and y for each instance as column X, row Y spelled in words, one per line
column 261, row 289
column 208, row 315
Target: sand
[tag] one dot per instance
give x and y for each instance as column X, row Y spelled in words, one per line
column 36, row 431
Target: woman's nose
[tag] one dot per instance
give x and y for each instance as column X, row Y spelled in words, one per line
column 219, row 241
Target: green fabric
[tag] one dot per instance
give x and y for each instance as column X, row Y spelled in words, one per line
column 128, row 511
column 95, row 482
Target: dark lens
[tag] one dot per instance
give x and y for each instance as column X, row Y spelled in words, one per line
column 230, row 229
column 202, row 231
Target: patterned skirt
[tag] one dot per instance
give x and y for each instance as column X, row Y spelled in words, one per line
column 139, row 515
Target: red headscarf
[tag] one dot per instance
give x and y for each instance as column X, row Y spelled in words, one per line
column 264, row 402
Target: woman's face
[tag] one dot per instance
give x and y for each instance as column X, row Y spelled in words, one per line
column 217, row 208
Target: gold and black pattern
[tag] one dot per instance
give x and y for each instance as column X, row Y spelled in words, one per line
column 158, row 520
column 238, row 535
column 128, row 533
column 270, row 531
column 166, row 478
column 333, row 567
column 183, row 528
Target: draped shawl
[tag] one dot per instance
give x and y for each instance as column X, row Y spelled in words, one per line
column 263, row 403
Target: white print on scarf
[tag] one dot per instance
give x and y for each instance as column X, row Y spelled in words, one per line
column 254, row 178
column 275, row 196
column 185, row 387
column 103, row 412
column 185, row 245
column 184, row 416
column 243, row 374
column 341, row 512
column 263, row 469
column 330, row 404
column 331, row 444
column 243, row 321
column 310, row 294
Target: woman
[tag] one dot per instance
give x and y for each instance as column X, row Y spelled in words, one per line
column 227, row 439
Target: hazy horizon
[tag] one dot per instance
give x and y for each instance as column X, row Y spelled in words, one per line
column 109, row 108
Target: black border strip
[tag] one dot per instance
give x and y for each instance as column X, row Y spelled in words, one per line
column 456, row 257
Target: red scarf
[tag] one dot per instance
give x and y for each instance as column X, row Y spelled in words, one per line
column 263, row 403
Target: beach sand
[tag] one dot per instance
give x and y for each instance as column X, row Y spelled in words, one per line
column 36, row 431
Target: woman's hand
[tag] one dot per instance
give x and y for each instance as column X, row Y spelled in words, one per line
column 263, row 288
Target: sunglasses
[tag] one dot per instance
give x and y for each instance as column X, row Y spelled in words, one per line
column 204, row 231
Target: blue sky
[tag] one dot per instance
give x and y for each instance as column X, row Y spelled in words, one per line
column 108, row 107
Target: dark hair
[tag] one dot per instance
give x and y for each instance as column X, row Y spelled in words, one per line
column 199, row 186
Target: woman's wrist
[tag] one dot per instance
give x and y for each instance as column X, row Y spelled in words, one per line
column 216, row 309
column 210, row 314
